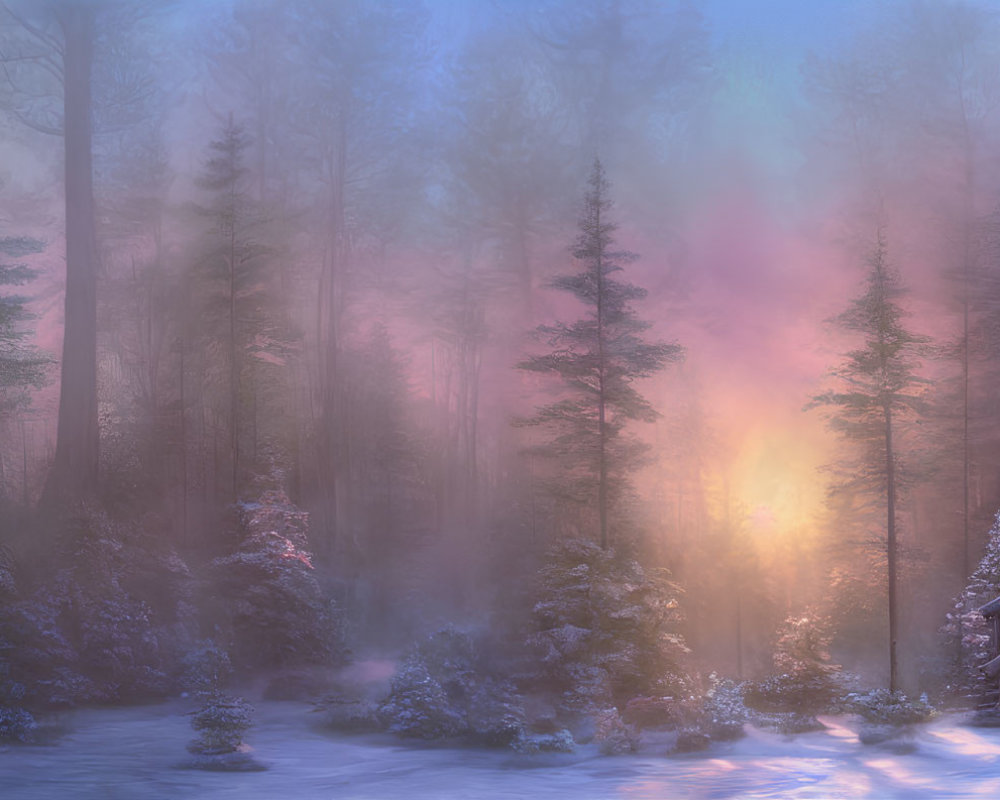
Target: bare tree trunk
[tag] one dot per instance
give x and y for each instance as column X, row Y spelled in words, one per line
column 183, row 447
column 890, row 472
column 74, row 472
column 234, row 366
column 602, row 479
column 24, row 465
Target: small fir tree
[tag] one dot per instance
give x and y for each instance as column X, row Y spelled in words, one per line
column 266, row 596
column 806, row 678
column 221, row 723
column 606, row 630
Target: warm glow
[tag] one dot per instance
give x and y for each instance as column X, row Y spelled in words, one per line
column 774, row 480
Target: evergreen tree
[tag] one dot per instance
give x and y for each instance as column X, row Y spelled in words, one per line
column 966, row 630
column 597, row 357
column 228, row 275
column 606, row 630
column 805, row 678
column 21, row 365
column 879, row 381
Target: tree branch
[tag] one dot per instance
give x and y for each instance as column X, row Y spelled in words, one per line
column 45, row 38
column 41, row 127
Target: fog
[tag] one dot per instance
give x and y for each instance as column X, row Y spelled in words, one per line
column 304, row 270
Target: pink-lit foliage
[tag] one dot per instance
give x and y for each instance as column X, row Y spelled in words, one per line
column 966, row 634
column 265, row 594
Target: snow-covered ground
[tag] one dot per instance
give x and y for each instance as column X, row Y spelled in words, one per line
column 131, row 754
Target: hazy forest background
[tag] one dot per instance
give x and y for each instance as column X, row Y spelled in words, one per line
column 315, row 260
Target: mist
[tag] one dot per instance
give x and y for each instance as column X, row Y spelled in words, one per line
column 617, row 348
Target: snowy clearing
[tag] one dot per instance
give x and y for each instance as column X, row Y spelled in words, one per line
column 132, row 753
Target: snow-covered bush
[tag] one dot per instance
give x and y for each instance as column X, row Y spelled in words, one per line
column 266, row 595
column 16, row 724
column 605, row 629
column 38, row 658
column 103, row 624
column 221, row 723
column 966, row 633
column 724, row 710
column 805, row 681
column 691, row 740
column 880, row 706
column 101, row 602
column 418, row 706
column 663, row 712
column 205, row 668
column 612, row 735
column 494, row 714
column 718, row 715
column 444, row 689
column 560, row 741
column 350, row 716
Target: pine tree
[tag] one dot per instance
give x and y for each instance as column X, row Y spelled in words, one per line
column 22, row 366
column 606, row 630
column 966, row 630
column 879, row 382
column 597, row 358
column 229, row 273
column 805, row 677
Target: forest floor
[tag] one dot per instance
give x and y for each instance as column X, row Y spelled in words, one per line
column 133, row 754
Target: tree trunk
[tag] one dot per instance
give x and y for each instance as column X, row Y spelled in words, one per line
column 234, row 365
column 74, row 474
column 183, row 446
column 602, row 477
column 890, row 472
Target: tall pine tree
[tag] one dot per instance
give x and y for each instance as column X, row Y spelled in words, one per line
column 597, row 358
column 879, row 390
column 228, row 275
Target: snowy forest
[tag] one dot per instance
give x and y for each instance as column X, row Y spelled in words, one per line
column 534, row 375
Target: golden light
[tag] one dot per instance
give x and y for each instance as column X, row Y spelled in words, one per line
column 774, row 479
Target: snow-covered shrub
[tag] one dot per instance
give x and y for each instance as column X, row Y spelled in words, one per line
column 691, row 740
column 718, row 715
column 418, row 706
column 444, row 689
column 662, row 712
column 221, row 723
column 605, row 629
column 350, row 716
column 724, row 710
column 205, row 668
column 266, row 593
column 883, row 707
column 612, row 735
column 560, row 741
column 651, row 712
column 106, row 621
column 805, row 681
column 98, row 603
column 789, row 723
column 39, row 659
column 16, row 724
column 494, row 714
column 966, row 633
